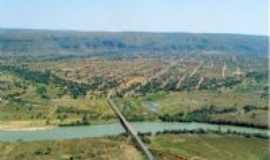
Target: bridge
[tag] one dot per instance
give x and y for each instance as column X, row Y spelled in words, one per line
column 128, row 127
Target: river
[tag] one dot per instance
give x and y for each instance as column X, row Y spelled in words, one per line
column 114, row 129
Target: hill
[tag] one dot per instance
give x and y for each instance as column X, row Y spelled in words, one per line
column 44, row 42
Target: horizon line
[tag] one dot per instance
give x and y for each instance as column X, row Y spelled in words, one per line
column 130, row 31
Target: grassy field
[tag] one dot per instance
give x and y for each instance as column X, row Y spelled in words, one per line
column 164, row 147
column 84, row 149
column 161, row 103
column 22, row 101
column 209, row 147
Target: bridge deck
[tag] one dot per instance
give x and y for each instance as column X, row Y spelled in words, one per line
column 130, row 129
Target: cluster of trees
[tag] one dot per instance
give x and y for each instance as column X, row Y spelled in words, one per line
column 42, row 151
column 215, row 83
column 156, row 85
column 153, row 86
column 203, row 115
column 74, row 88
column 101, row 83
column 199, row 115
column 189, row 84
column 238, row 123
column 63, row 112
column 82, row 122
column 145, row 136
column 41, row 90
column 34, row 76
column 258, row 76
column 70, row 110
column 46, row 77
column 196, row 116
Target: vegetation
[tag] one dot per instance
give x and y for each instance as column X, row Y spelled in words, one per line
column 80, row 149
column 62, row 78
column 208, row 146
column 172, row 145
column 46, row 77
column 47, row 43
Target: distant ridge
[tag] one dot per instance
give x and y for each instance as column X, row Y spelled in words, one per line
column 19, row 42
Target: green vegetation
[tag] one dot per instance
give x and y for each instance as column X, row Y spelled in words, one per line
column 72, row 91
column 41, row 90
column 164, row 146
column 228, row 107
column 81, row 149
column 46, row 77
column 52, row 78
column 47, row 43
column 48, row 103
column 209, row 146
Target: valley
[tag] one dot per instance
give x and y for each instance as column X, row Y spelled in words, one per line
column 54, row 89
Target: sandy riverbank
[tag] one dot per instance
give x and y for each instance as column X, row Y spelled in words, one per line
column 24, row 126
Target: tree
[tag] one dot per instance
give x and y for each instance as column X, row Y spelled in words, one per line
column 85, row 120
column 41, row 90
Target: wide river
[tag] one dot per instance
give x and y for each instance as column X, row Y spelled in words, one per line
column 116, row 129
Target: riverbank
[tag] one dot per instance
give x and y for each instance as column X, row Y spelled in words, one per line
column 30, row 125
column 24, row 126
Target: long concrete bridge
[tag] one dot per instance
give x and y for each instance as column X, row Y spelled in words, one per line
column 129, row 128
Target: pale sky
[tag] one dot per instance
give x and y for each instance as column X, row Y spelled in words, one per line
column 207, row 16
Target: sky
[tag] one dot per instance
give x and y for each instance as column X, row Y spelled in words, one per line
column 203, row 16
